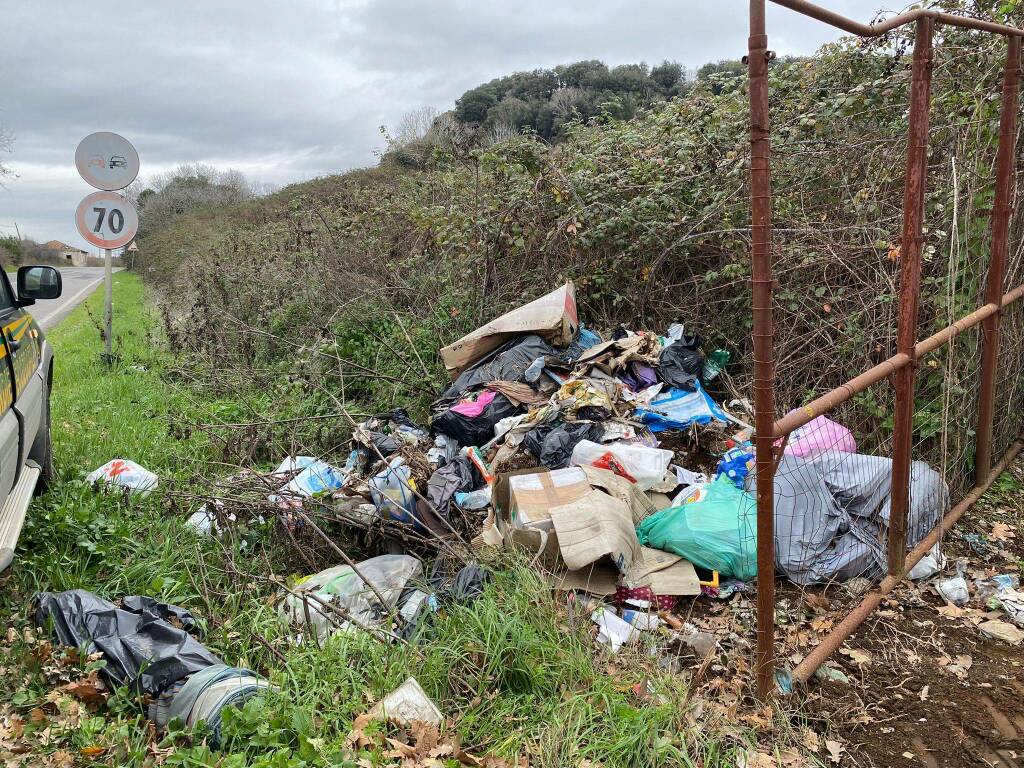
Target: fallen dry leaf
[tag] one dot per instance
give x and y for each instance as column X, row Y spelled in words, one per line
column 748, row 759
column 857, row 656
column 950, row 611
column 809, row 739
column 835, row 750
column 924, row 693
column 1002, row 532
column 89, row 690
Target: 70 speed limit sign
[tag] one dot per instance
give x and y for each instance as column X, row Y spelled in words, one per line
column 107, row 220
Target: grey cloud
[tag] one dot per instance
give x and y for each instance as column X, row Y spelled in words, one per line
column 298, row 89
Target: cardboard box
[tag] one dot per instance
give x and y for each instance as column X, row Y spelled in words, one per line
column 533, row 495
column 561, row 519
column 552, row 317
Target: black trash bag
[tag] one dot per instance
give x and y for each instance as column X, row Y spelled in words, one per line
column 140, row 646
column 457, row 475
column 506, row 363
column 173, row 614
column 385, row 444
column 445, row 586
column 552, row 442
column 465, row 586
column 680, row 365
column 474, row 430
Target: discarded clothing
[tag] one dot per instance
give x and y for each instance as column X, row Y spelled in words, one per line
column 638, row 376
column 553, row 443
column 718, row 532
column 457, row 475
column 832, row 514
column 678, row 410
column 140, row 646
column 204, row 696
column 472, row 426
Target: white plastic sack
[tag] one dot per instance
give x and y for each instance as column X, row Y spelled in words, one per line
column 341, row 586
column 646, row 466
column 614, row 632
column 928, row 565
column 125, row 474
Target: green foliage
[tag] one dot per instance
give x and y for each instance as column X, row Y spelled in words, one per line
column 547, row 101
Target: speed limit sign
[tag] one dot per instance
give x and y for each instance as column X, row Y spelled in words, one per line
column 107, row 220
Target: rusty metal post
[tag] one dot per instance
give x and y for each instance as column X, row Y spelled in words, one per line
column 1001, row 209
column 763, row 332
column 910, row 286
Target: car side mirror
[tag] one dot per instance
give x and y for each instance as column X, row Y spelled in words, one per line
column 38, row 282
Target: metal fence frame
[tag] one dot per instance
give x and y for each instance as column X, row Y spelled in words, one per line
column 902, row 366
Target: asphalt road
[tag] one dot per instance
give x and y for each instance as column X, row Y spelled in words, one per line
column 78, row 283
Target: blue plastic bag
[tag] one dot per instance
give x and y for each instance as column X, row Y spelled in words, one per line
column 679, row 409
column 736, row 464
column 718, row 532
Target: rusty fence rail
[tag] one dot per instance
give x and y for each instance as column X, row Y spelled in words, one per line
column 901, row 368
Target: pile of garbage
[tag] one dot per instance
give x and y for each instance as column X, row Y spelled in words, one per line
column 608, row 461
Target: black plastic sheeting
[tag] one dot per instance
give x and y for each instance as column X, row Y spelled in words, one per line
column 681, row 364
column 140, row 645
column 506, row 363
column 552, row 443
column 474, row 430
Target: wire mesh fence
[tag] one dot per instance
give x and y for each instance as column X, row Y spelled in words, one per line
column 843, row 232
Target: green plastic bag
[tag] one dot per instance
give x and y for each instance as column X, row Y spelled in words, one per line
column 719, row 532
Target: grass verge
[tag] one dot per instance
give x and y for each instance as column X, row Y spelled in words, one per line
column 516, row 674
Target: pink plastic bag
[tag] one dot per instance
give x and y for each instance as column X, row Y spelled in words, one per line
column 820, row 435
column 473, row 408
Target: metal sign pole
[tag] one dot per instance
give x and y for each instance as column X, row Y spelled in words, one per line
column 108, row 275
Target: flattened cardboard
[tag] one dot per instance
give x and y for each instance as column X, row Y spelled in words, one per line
column 640, row 505
column 599, row 579
column 664, row 572
column 552, row 317
column 595, row 526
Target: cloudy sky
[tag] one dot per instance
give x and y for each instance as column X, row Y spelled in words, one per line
column 294, row 89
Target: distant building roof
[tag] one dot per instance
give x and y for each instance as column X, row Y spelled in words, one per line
column 57, row 245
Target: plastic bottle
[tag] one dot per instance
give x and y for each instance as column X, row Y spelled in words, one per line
column 716, row 361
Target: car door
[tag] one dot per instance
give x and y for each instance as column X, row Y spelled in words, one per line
column 10, row 455
column 22, row 340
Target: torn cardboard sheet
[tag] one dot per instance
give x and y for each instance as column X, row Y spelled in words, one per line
column 640, row 506
column 599, row 579
column 552, row 317
column 664, row 572
column 594, row 526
